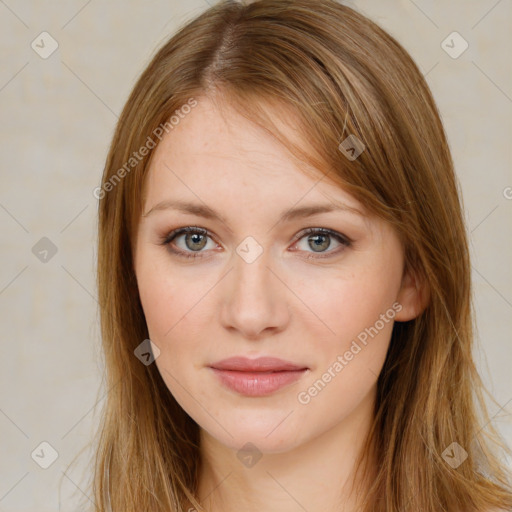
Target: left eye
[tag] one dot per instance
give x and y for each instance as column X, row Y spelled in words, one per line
column 320, row 239
column 196, row 239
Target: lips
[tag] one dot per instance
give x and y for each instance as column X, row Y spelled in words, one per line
column 261, row 364
column 257, row 377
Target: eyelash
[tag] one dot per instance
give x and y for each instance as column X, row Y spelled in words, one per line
column 344, row 240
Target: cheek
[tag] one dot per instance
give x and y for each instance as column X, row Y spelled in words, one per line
column 167, row 297
column 169, row 304
column 343, row 304
column 175, row 305
column 347, row 363
column 351, row 341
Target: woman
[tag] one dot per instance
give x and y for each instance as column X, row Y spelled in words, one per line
column 284, row 279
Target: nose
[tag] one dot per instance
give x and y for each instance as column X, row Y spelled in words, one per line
column 255, row 299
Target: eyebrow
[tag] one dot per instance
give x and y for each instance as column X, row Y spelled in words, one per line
column 205, row 211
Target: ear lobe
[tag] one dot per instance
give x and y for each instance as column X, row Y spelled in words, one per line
column 414, row 295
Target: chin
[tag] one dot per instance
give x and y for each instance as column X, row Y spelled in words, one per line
column 267, row 436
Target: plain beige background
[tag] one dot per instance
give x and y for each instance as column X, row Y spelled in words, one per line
column 58, row 116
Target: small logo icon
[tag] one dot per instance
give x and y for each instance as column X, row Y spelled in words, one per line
column 352, row 147
column 147, row 352
column 44, row 250
column 249, row 455
column 249, row 249
column 44, row 455
column 455, row 455
column 454, row 45
column 44, row 45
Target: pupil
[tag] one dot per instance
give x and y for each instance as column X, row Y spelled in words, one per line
column 196, row 239
column 319, row 245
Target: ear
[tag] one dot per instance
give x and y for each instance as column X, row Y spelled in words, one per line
column 414, row 295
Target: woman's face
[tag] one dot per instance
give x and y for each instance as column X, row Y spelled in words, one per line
column 256, row 284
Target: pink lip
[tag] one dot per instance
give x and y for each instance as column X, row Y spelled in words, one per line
column 257, row 377
column 261, row 364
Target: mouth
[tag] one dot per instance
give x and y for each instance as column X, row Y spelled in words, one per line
column 257, row 377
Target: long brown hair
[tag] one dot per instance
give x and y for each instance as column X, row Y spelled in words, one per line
column 338, row 74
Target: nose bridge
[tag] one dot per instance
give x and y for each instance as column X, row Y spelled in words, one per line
column 252, row 278
column 254, row 301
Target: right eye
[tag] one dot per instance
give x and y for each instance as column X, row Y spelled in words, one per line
column 194, row 240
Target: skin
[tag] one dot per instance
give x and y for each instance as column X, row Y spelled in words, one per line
column 308, row 311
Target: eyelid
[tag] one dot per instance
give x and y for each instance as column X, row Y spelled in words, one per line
column 320, row 231
column 180, row 231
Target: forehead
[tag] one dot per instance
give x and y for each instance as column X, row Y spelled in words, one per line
column 222, row 158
